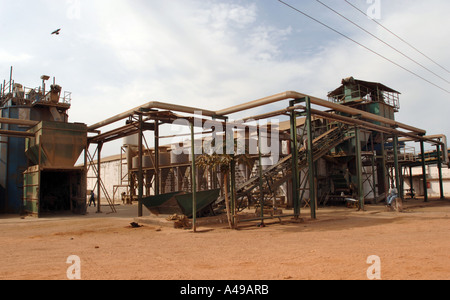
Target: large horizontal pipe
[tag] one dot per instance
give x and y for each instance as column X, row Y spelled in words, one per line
column 365, row 115
column 364, row 124
column 18, row 122
column 20, row 134
column 152, row 105
column 320, row 102
column 435, row 138
column 258, row 103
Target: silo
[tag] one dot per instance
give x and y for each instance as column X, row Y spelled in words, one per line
column 23, row 103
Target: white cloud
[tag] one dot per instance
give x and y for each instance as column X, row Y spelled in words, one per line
column 14, row 57
column 214, row 54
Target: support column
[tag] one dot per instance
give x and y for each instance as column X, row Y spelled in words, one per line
column 233, row 193
column 295, row 172
column 99, row 160
column 261, row 182
column 411, row 182
column 157, row 170
column 424, row 171
column 312, row 186
column 396, row 166
column 383, row 167
column 359, row 167
column 193, row 180
column 140, row 171
column 439, row 162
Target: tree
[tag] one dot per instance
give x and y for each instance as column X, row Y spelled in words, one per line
column 223, row 163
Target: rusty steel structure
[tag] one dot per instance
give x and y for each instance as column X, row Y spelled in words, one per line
column 346, row 147
column 354, row 130
column 38, row 150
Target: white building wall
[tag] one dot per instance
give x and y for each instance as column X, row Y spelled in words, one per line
column 432, row 178
column 110, row 172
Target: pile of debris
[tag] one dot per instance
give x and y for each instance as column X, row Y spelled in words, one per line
column 180, row 221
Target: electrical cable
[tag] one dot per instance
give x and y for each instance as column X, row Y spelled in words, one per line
column 393, row 48
column 365, row 47
column 388, row 30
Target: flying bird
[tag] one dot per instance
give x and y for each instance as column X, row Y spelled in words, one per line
column 56, row 31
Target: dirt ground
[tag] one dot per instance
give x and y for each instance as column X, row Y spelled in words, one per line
column 411, row 245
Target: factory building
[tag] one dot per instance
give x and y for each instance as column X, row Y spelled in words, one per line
column 309, row 152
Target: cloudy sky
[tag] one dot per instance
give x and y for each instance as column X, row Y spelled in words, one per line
column 116, row 55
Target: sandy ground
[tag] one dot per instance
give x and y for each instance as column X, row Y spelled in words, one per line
column 414, row 244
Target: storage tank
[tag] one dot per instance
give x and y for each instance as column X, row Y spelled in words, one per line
column 148, row 161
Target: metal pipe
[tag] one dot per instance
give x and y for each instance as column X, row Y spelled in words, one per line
column 295, row 171
column 151, row 105
column 99, row 158
column 310, row 158
column 320, row 102
column 397, row 167
column 20, row 134
column 18, row 122
column 194, row 180
column 260, row 170
column 424, row 171
column 140, row 171
column 157, row 171
column 432, row 139
column 365, row 115
column 359, row 167
column 257, row 103
column 439, row 163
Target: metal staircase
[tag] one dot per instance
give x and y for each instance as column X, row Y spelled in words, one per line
column 278, row 174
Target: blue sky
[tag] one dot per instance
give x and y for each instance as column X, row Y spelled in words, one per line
column 116, row 55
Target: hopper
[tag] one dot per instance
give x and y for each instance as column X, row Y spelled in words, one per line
column 59, row 144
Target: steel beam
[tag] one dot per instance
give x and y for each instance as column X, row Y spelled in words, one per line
column 193, row 180
column 310, row 158
column 396, row 167
column 140, row 171
column 99, row 158
column 295, row 171
column 359, row 167
column 439, row 163
column 424, row 172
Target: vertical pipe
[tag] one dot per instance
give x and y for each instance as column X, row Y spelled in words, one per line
column 411, row 182
column 439, row 162
column 396, row 167
column 312, row 188
column 261, row 197
column 424, row 171
column 194, row 180
column 374, row 176
column 383, row 167
column 157, row 170
column 140, row 171
column 359, row 167
column 99, row 160
column 295, row 171
column 233, row 193
column 10, row 79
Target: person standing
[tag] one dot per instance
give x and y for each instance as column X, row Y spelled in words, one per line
column 92, row 199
